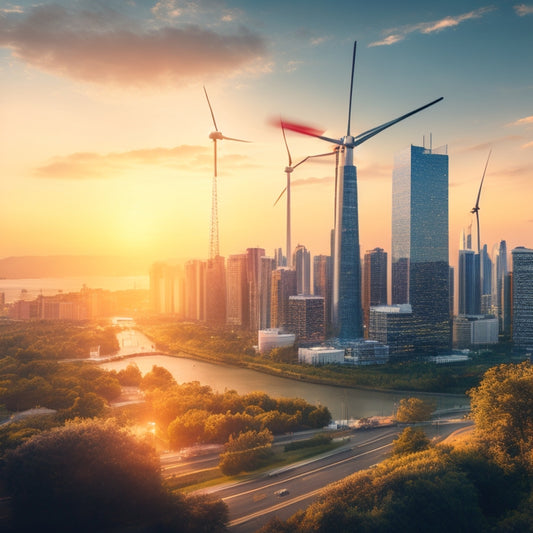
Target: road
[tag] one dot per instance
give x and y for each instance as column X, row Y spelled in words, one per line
column 253, row 503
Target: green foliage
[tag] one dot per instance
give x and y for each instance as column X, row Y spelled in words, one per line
column 130, row 376
column 187, row 429
column 317, row 440
column 246, row 452
column 157, row 378
column 502, row 408
column 414, row 410
column 94, row 476
column 410, row 440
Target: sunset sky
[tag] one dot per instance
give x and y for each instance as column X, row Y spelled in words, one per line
column 104, row 125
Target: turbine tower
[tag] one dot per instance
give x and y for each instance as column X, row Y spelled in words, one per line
column 288, row 172
column 475, row 209
column 216, row 135
column 347, row 308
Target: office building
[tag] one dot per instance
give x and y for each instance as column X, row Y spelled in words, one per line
column 215, row 291
column 392, row 325
column 473, row 331
column 522, row 298
column 420, row 264
column 307, row 318
column 323, row 282
column 466, row 274
column 301, row 262
column 268, row 264
column 374, row 282
column 253, row 276
column 237, row 298
column 271, row 338
column 320, row 355
column 283, row 286
column 165, row 288
column 195, row 290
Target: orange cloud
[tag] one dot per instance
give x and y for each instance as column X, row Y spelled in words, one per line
column 90, row 165
column 104, row 46
column 522, row 121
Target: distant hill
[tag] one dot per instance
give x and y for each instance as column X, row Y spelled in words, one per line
column 60, row 266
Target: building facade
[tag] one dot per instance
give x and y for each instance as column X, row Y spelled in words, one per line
column 374, row 282
column 283, row 286
column 522, row 298
column 420, row 262
column 307, row 318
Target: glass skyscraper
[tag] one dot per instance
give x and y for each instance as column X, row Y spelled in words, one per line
column 522, row 300
column 420, row 264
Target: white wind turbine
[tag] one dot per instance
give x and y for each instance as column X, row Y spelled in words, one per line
column 215, row 136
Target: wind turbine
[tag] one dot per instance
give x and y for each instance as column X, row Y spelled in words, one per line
column 475, row 209
column 347, row 311
column 288, row 172
column 215, row 136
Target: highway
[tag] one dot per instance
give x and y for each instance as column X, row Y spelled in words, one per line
column 253, row 503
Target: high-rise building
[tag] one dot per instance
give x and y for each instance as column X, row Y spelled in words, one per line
column 392, row 325
column 215, row 291
column 323, row 282
column 301, row 262
column 283, row 286
column 374, row 282
column 237, row 298
column 268, row 264
column 307, row 318
column 420, row 264
column 498, row 286
column 347, row 311
column 253, row 275
column 466, row 283
column 195, row 289
column 522, row 298
column 166, row 289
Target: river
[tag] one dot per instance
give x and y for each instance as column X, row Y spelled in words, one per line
column 343, row 403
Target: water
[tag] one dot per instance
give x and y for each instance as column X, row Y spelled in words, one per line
column 343, row 403
column 29, row 289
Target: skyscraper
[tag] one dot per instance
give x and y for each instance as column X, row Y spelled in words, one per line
column 268, row 264
column 301, row 262
column 215, row 291
column 283, row 286
column 522, row 291
column 195, row 289
column 237, row 299
column 323, row 282
column 253, row 275
column 306, row 318
column 374, row 282
column 420, row 265
column 467, row 283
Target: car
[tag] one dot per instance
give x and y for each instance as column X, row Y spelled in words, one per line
column 281, row 492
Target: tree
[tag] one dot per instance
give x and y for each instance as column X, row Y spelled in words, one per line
column 246, row 452
column 157, row 378
column 83, row 476
column 90, row 476
column 502, row 408
column 410, row 440
column 414, row 410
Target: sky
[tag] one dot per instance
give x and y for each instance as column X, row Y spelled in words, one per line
column 104, row 124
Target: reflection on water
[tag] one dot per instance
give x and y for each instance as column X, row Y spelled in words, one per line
column 343, row 403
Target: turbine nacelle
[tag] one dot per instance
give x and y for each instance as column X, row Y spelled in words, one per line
column 288, row 170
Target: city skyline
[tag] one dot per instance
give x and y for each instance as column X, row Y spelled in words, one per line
column 107, row 150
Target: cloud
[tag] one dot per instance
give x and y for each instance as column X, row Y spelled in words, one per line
column 522, row 10
column 91, row 165
column 12, row 9
column 425, row 28
column 312, row 181
column 522, row 121
column 107, row 47
column 528, row 145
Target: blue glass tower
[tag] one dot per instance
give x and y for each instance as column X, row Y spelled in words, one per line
column 420, row 266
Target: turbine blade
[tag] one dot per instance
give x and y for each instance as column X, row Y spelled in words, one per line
column 301, row 128
column 351, row 89
column 232, row 139
column 279, row 197
column 481, row 184
column 286, row 144
column 210, row 109
column 312, row 157
column 362, row 137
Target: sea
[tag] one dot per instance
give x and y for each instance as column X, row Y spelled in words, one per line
column 29, row 289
